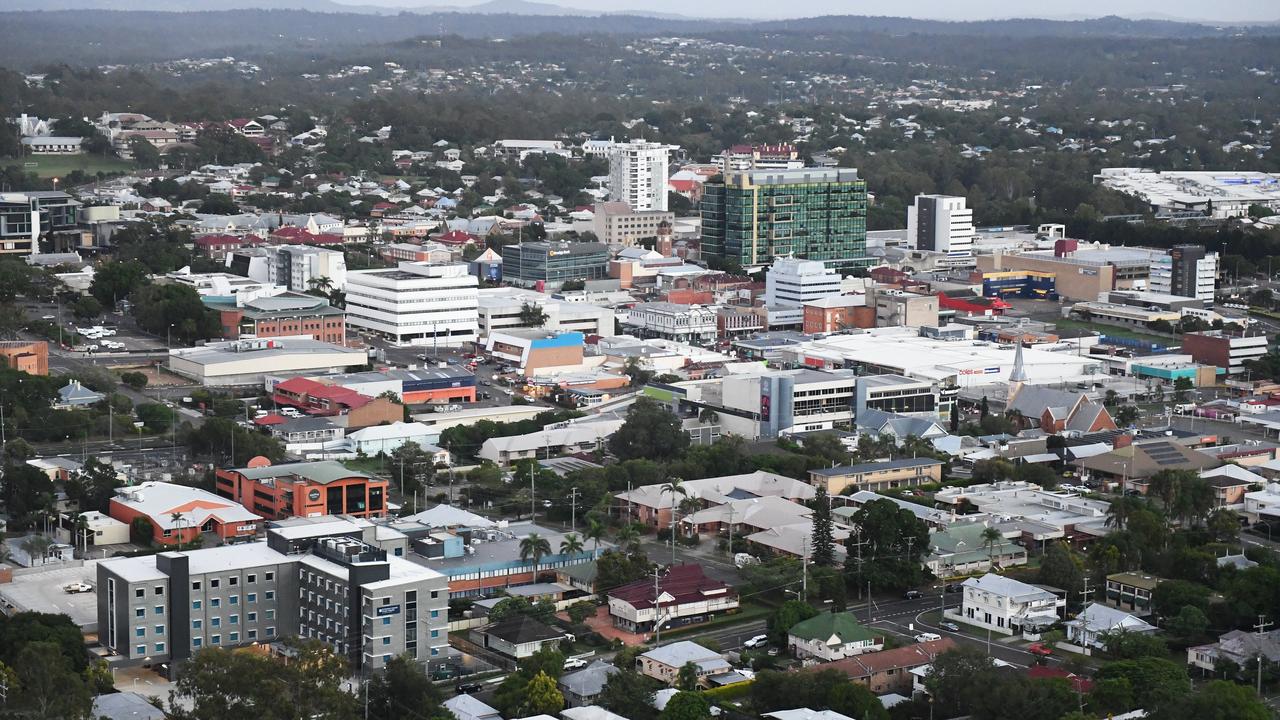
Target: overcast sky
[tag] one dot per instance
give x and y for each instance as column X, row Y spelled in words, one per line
column 1231, row 11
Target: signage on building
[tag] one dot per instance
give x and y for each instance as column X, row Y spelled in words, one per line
column 388, row 610
column 981, row 371
column 557, row 253
column 313, row 495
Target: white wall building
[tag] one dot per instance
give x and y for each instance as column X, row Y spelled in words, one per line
column 638, row 174
column 1185, row 271
column 415, row 304
column 292, row 266
column 941, row 223
column 499, row 309
column 1008, row 606
column 791, row 282
column 673, row 321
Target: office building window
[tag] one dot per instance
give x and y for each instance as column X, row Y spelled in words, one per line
column 195, row 585
column 270, row 594
column 159, row 629
column 140, row 632
column 253, row 634
column 159, row 609
column 197, row 642
column 233, row 637
column 270, row 576
column 233, row 581
column 251, row 597
column 215, row 640
column 140, row 650
column 386, row 641
column 253, row 616
column 214, row 582
column 216, row 622
column 159, row 590
column 251, row 578
column 195, row 604
column 234, row 620
column 215, row 602
column 197, row 624
column 140, row 592
column 159, row 647
column 235, row 599
column 140, row 612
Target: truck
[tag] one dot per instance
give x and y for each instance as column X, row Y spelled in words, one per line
column 744, row 559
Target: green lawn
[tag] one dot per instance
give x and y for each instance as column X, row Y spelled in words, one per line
column 60, row 165
column 1113, row 331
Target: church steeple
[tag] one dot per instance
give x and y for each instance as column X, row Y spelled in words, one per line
column 1019, row 373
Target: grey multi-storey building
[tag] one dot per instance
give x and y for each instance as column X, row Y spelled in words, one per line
column 333, row 588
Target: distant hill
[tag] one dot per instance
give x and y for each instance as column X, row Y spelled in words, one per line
column 493, row 7
column 1110, row 26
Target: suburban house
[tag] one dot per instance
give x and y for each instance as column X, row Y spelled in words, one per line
column 684, row 595
column 182, row 514
column 518, row 637
column 1089, row 627
column 1238, row 646
column 1007, row 606
column 663, row 663
column 649, row 505
column 744, row 516
column 1132, row 464
column 877, row 476
column 1131, row 591
column 960, row 550
column 584, row 686
column 1230, row 483
column 467, row 707
column 888, row 671
column 832, row 636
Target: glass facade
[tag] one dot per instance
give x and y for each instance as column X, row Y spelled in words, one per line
column 554, row 263
column 816, row 214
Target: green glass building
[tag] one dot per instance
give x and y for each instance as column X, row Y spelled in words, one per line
column 754, row 216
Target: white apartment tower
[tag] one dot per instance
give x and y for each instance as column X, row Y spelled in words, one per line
column 791, row 282
column 941, row 223
column 638, row 174
column 1185, row 271
column 417, row 303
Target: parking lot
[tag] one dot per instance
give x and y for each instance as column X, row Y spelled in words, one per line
column 42, row 592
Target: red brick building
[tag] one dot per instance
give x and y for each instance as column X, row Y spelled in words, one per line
column 31, row 358
column 283, row 315
column 178, row 513
column 305, row 489
column 317, row 398
column 836, row 313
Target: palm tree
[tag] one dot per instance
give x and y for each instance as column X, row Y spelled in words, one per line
column 36, row 545
column 1122, row 508
column 178, row 519
column 1194, row 502
column 534, row 547
column 628, row 535
column 675, row 487
column 594, row 532
column 991, row 538
column 571, row 544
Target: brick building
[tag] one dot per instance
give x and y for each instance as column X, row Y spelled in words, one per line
column 285, row 315
column 302, row 489
column 31, row 358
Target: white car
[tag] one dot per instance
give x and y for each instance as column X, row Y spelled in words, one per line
column 757, row 641
column 78, row 587
column 574, row 664
column 927, row 637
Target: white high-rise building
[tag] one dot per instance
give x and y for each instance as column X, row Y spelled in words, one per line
column 792, row 282
column 941, row 223
column 416, row 303
column 290, row 266
column 638, row 174
column 1185, row 271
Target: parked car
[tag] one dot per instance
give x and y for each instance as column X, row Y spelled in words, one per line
column 757, row 641
column 78, row 587
column 949, row 626
column 955, row 587
column 466, row 688
column 927, row 637
column 574, row 664
column 1040, row 649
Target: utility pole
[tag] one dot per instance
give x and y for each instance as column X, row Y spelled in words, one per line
column 731, row 528
column 573, row 509
column 804, row 571
column 533, row 490
column 657, row 610
column 1085, row 593
column 1260, row 627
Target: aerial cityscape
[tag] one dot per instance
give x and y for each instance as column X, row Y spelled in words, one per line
column 524, row 361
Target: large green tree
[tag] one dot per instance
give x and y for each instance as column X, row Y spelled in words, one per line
column 824, row 553
column 894, row 543
column 686, row 705
column 402, row 691
column 650, row 431
column 222, row 684
column 114, row 281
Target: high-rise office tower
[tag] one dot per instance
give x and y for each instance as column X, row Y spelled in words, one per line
column 941, row 223
column 1185, row 271
column 754, row 216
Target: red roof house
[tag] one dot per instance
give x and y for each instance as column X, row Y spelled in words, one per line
column 685, row 594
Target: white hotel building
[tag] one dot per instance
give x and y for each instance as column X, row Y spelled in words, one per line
column 415, row 304
column 943, row 224
column 791, row 282
column 638, row 174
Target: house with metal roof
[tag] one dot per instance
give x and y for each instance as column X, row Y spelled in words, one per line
column 684, row 595
column 1088, row 629
column 1007, row 606
column 663, row 663
column 467, row 707
column 876, row 476
column 181, row 514
column 961, row 550
column 584, row 686
column 832, row 636
column 648, row 504
column 518, row 637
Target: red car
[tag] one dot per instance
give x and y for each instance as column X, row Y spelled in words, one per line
column 1040, row 649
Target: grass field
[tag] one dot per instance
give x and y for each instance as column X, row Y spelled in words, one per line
column 1113, row 331
column 61, row 165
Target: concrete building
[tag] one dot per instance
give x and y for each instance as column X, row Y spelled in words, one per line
column 902, row 396
column 1224, row 350
column 638, row 174
column 304, row 489
column 792, row 283
column 249, row 362
column 615, row 223
column 103, row 529
column 31, row 358
column 672, row 321
column 1082, row 271
column 754, row 216
column 760, row 157
column 292, row 266
column 1185, row 271
column 499, row 310
column 941, row 223
column 182, row 515
column 343, row 592
column 1210, row 193
column 415, row 304
column 284, row 315
column 786, row 401
column 536, row 352
column 27, row 218
column 877, row 476
column 896, row 308
column 551, row 264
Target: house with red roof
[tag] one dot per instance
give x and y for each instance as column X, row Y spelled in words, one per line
column 292, row 235
column 247, row 127
column 218, row 245
column 684, row 595
column 457, row 237
column 352, row 409
column 888, row 671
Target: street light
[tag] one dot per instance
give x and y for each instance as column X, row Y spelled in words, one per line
column 139, row 425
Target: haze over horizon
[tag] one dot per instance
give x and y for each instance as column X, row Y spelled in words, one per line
column 1180, row 10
